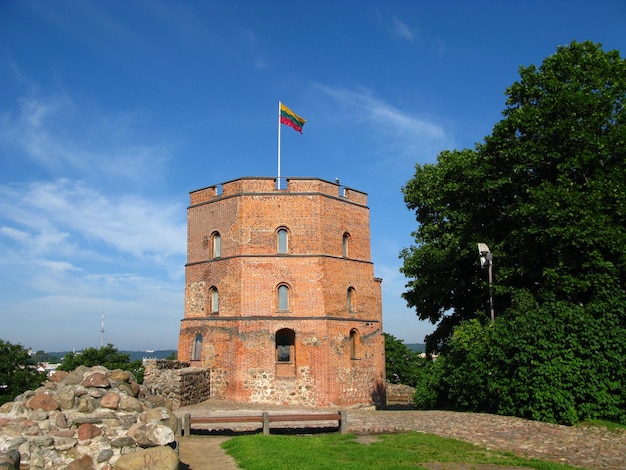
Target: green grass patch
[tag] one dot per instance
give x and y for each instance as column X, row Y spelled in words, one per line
column 332, row 451
column 611, row 426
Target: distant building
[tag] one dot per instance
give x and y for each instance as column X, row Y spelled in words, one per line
column 281, row 302
column 48, row 367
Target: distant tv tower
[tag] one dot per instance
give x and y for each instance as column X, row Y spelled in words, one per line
column 102, row 333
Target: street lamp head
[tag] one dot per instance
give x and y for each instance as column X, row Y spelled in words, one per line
column 484, row 255
column 486, row 261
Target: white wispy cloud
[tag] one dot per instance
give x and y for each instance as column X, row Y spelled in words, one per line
column 62, row 136
column 401, row 29
column 407, row 134
column 84, row 234
column 70, row 252
column 56, row 216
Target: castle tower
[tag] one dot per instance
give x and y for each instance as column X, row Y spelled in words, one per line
column 281, row 302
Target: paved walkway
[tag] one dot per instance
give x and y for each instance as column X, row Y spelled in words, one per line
column 584, row 447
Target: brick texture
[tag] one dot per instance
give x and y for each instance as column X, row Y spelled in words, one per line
column 338, row 353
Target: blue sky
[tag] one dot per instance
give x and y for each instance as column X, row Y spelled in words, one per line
column 111, row 112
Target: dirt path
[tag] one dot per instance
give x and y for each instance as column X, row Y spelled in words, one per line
column 204, row 452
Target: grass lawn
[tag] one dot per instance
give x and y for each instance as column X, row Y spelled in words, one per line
column 388, row 451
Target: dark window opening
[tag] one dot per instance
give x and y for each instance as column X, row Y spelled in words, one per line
column 354, row 344
column 285, row 342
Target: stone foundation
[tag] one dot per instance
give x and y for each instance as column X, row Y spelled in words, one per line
column 266, row 388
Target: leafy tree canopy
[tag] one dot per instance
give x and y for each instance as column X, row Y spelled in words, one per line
column 546, row 191
column 17, row 371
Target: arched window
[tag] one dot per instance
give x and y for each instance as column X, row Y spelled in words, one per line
column 345, row 245
column 354, row 344
column 283, row 297
column 282, row 240
column 285, row 345
column 214, row 300
column 351, row 299
column 216, row 245
column 196, row 352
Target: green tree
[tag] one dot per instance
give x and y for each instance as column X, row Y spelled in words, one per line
column 554, row 362
column 17, row 371
column 546, row 191
column 560, row 362
column 107, row 356
column 403, row 365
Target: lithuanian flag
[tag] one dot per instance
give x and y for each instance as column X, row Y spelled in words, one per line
column 291, row 119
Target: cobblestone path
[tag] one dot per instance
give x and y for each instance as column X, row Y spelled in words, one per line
column 585, row 447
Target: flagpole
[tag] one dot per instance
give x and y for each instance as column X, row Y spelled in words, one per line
column 278, row 179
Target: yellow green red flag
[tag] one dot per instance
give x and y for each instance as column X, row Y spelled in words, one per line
column 291, row 119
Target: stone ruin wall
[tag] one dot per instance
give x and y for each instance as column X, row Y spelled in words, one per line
column 91, row 418
column 398, row 394
column 177, row 382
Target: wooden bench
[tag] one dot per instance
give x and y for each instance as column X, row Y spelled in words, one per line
column 265, row 419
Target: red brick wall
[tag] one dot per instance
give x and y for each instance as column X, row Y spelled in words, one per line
column 239, row 341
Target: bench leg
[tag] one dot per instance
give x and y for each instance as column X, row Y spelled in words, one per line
column 266, row 423
column 343, row 422
column 186, row 425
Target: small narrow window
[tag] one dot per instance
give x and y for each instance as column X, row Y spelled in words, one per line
column 283, row 241
column 214, row 300
column 216, row 245
column 345, row 245
column 196, row 353
column 354, row 344
column 351, row 300
column 285, row 342
column 283, row 297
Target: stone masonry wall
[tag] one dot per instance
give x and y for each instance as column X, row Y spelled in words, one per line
column 264, row 388
column 176, row 381
column 218, row 384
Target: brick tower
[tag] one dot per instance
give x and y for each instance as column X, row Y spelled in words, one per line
column 281, row 302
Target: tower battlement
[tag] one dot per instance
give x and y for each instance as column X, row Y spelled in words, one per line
column 289, row 185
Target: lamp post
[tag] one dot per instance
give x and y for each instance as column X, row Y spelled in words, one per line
column 486, row 261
